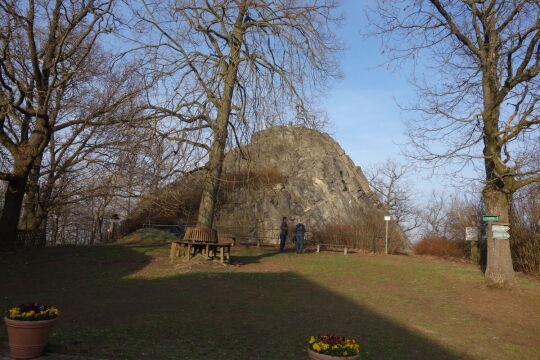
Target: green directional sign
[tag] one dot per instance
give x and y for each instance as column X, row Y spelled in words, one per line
column 490, row 218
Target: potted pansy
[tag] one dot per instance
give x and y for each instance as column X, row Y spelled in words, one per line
column 331, row 347
column 28, row 327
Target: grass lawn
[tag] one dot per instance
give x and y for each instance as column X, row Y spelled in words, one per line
column 127, row 301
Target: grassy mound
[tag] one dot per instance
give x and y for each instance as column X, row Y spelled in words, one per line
column 147, row 237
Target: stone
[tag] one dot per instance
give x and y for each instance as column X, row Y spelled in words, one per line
column 320, row 184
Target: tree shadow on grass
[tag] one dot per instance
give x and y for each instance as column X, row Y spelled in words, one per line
column 246, row 259
column 108, row 312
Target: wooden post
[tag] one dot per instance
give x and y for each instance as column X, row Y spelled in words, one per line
column 318, row 248
column 345, row 250
column 188, row 251
column 221, row 254
column 207, row 251
column 475, row 253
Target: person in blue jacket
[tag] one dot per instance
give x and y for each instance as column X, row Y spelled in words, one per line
column 300, row 232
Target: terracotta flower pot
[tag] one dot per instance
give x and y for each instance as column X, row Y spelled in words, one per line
column 27, row 339
column 313, row 355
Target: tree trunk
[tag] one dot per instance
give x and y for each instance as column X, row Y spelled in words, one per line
column 498, row 189
column 33, row 215
column 54, row 231
column 499, row 269
column 220, row 129
column 214, row 168
column 12, row 211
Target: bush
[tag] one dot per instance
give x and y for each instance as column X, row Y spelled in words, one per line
column 436, row 245
column 251, row 178
column 364, row 231
column 178, row 202
column 525, row 230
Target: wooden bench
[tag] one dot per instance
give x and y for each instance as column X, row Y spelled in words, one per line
column 201, row 235
column 202, row 239
column 345, row 247
column 224, row 249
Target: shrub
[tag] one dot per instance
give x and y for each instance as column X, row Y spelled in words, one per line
column 436, row 245
column 364, row 231
column 179, row 201
column 525, row 229
column 251, row 178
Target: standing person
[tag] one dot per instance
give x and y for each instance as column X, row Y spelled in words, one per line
column 283, row 233
column 300, row 232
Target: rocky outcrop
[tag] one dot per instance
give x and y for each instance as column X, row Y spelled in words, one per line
column 320, row 184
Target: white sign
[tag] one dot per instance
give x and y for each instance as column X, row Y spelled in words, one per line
column 387, row 218
column 501, row 231
column 471, row 233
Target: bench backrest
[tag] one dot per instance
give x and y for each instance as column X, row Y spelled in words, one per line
column 201, row 235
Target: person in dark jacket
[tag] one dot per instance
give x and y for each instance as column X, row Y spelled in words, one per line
column 284, row 230
column 300, row 232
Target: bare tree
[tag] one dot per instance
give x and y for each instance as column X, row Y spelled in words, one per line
column 434, row 214
column 481, row 99
column 239, row 65
column 391, row 184
column 90, row 173
column 49, row 84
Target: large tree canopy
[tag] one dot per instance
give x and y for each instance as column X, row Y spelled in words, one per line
column 51, row 80
column 480, row 100
column 237, row 65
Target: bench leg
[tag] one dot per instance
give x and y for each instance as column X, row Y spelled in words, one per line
column 221, row 254
column 188, row 251
column 345, row 251
column 318, row 248
column 207, row 251
column 174, row 247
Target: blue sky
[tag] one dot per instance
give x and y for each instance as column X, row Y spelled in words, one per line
column 366, row 119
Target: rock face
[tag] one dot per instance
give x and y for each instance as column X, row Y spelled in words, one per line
column 320, row 184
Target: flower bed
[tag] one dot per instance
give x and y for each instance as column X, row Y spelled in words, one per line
column 334, row 345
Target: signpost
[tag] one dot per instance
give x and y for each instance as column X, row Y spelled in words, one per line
column 496, row 231
column 471, row 234
column 387, row 219
column 500, row 231
column 112, row 230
